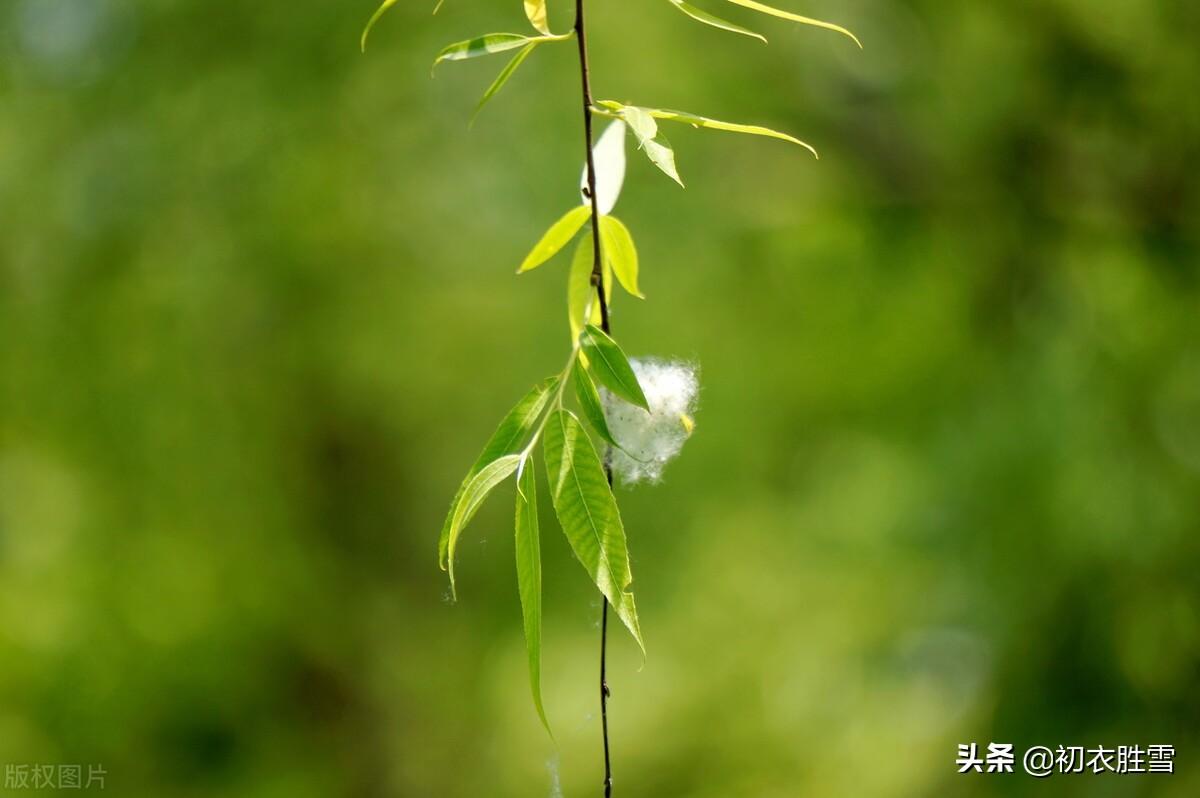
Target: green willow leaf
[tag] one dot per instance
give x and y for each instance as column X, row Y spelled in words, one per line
column 700, row 15
column 555, row 238
column 492, row 43
column 588, row 514
column 529, row 580
column 379, row 12
column 504, row 75
column 481, row 45
column 609, row 364
column 619, row 251
column 589, row 402
column 509, row 438
column 716, row 124
column 535, row 10
column 472, row 497
column 579, row 287
column 775, row 12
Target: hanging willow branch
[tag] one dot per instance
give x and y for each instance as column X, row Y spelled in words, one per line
column 608, row 388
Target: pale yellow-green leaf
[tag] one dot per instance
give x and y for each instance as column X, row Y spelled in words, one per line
column 716, row 124
column 640, row 122
column 379, row 12
column 535, row 10
column 608, row 155
column 491, row 43
column 555, row 238
column 651, row 140
column 588, row 514
column 775, row 12
column 700, row 15
column 616, row 243
column 580, row 292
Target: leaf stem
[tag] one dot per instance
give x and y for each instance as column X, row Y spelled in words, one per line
column 563, row 376
column 598, row 285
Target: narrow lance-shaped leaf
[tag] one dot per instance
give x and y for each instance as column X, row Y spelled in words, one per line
column 379, row 12
column 472, row 497
column 484, row 45
column 504, row 75
column 775, row 12
column 535, row 10
column 620, row 252
column 555, row 238
column 589, row 402
column 580, row 292
column 611, row 367
column 529, row 579
column 700, row 15
column 509, row 438
column 651, row 140
column 733, row 127
column 608, row 155
column 588, row 514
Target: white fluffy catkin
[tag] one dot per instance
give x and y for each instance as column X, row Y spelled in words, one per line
column 651, row 440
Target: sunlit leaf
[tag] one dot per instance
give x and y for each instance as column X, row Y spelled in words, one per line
column 580, row 292
column 476, row 490
column 504, row 75
column 611, row 367
column 509, row 438
column 529, row 579
column 775, row 12
column 482, row 45
column 589, row 402
column 609, row 156
column 588, row 514
column 716, row 124
column 535, row 10
column 606, row 276
column 379, row 12
column 617, row 245
column 701, row 15
column 640, row 122
column 555, row 238
column 650, row 139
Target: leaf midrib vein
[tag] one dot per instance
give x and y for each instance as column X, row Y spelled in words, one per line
column 617, row 589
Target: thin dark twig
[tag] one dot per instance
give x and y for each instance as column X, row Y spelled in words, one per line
column 598, row 285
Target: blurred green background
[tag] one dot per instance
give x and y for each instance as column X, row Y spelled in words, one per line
column 258, row 314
